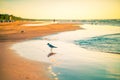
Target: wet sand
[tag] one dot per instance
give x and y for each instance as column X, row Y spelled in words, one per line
column 15, row 67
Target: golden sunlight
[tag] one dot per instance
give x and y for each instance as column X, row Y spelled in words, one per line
column 62, row 9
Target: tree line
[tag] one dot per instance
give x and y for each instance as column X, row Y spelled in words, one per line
column 9, row 18
column 12, row 18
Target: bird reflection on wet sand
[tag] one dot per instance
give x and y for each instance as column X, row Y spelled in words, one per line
column 51, row 54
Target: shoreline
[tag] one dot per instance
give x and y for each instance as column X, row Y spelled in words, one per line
column 8, row 34
column 15, row 67
column 65, row 58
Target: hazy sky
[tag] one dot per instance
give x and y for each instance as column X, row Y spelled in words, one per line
column 62, row 9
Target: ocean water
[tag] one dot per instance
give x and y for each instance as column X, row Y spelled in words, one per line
column 75, row 58
column 111, row 22
column 107, row 43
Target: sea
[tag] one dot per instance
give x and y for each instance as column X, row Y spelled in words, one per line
column 91, row 53
column 107, row 43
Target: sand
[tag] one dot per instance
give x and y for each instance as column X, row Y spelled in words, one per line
column 13, row 32
column 15, row 67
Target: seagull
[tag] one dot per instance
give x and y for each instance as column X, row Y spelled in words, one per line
column 51, row 46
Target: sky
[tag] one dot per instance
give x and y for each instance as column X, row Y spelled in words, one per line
column 62, row 9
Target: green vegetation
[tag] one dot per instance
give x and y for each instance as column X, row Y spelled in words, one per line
column 9, row 18
column 12, row 18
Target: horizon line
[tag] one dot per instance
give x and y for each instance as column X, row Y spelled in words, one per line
column 61, row 18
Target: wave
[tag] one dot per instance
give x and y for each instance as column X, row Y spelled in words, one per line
column 107, row 43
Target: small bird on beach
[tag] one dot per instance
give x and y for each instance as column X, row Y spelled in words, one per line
column 51, row 46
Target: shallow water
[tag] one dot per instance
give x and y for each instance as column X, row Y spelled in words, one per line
column 72, row 61
column 107, row 43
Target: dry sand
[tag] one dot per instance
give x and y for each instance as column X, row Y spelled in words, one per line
column 15, row 67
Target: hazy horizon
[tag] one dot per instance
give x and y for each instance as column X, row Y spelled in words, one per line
column 62, row 9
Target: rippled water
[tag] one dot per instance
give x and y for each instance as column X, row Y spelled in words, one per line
column 107, row 43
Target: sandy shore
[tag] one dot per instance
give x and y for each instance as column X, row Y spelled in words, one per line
column 10, row 32
column 13, row 66
column 71, row 61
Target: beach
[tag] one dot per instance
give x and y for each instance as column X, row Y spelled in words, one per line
column 15, row 67
column 73, row 61
column 59, row 39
